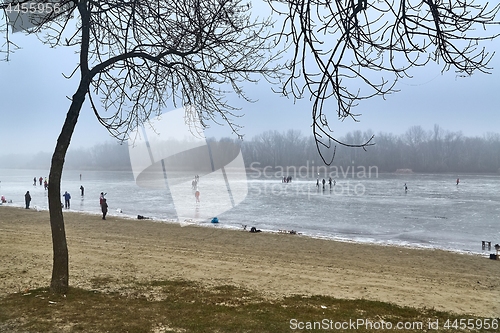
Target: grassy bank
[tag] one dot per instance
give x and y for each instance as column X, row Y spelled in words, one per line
column 182, row 306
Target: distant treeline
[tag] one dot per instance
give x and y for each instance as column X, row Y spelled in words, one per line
column 428, row 151
column 106, row 156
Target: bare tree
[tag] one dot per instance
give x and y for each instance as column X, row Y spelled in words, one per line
column 346, row 51
column 415, row 136
column 137, row 57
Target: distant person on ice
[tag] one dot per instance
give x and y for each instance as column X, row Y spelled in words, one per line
column 66, row 196
column 82, row 189
column 27, row 199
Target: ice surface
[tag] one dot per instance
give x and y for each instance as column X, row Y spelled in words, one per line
column 434, row 213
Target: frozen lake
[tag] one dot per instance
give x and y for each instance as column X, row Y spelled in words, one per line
column 434, row 212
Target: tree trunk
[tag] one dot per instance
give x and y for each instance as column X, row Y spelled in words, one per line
column 60, row 270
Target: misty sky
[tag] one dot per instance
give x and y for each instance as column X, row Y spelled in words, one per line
column 33, row 103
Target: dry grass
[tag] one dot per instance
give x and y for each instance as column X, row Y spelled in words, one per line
column 183, row 306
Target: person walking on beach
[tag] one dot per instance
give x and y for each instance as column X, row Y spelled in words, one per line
column 27, row 199
column 82, row 189
column 197, row 196
column 66, row 196
column 104, row 208
column 40, row 180
column 34, row 181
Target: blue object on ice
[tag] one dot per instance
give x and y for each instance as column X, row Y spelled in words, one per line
column 215, row 220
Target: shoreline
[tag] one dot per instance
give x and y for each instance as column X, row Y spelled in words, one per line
column 435, row 214
column 221, row 226
column 277, row 265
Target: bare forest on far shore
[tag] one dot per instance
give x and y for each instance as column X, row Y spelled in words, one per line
column 425, row 151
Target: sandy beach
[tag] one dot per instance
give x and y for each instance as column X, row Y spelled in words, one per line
column 126, row 251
